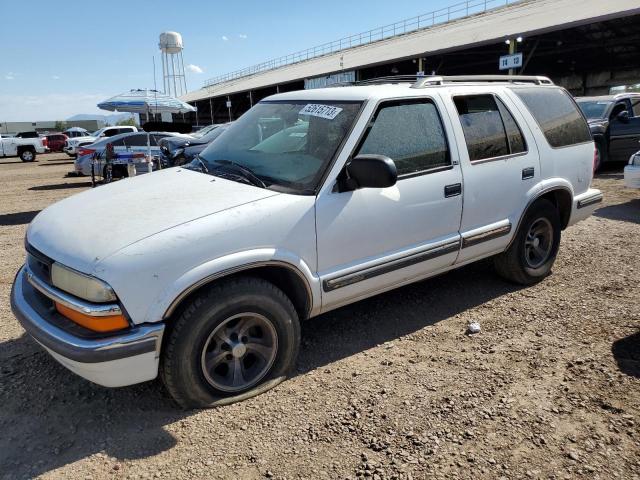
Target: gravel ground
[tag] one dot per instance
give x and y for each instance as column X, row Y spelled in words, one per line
column 390, row 387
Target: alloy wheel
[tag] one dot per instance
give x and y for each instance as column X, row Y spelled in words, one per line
column 239, row 352
column 538, row 243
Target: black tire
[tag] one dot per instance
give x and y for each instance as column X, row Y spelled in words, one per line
column 182, row 364
column 516, row 263
column 28, row 155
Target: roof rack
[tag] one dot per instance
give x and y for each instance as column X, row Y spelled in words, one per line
column 422, row 82
column 390, row 79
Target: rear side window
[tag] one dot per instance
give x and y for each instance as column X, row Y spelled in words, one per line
column 139, row 140
column 410, row 133
column 557, row 114
column 490, row 130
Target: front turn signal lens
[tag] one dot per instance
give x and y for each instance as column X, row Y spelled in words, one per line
column 109, row 323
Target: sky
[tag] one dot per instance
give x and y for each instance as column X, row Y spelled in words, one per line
column 74, row 54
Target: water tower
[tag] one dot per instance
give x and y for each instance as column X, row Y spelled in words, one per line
column 175, row 83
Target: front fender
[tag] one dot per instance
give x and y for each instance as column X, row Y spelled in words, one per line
column 220, row 267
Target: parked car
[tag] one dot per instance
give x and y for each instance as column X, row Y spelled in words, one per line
column 614, row 121
column 56, row 141
column 135, row 142
column 76, row 132
column 632, row 172
column 180, row 150
column 71, row 145
column 25, row 148
column 364, row 189
column 192, row 150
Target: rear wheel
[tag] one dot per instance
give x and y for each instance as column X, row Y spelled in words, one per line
column 533, row 251
column 236, row 340
column 27, row 155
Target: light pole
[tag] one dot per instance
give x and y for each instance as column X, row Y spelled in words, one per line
column 513, row 42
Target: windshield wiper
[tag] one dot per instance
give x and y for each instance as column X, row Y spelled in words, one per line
column 202, row 167
column 243, row 171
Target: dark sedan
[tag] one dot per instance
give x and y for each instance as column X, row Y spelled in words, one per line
column 175, row 151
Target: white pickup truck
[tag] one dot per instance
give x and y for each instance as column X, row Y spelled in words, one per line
column 25, row 148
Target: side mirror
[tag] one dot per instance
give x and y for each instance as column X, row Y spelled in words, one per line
column 623, row 116
column 368, row 171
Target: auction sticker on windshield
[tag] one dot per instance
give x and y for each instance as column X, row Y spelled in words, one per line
column 322, row 111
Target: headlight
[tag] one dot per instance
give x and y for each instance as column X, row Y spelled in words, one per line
column 177, row 153
column 635, row 160
column 81, row 285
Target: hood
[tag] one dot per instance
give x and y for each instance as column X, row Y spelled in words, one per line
column 192, row 150
column 83, row 229
column 179, row 142
column 83, row 139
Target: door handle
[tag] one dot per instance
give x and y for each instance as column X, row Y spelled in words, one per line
column 528, row 173
column 452, row 190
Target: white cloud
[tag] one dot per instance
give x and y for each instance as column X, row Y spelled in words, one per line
column 225, row 38
column 10, row 76
column 242, row 36
column 22, row 108
column 55, row 77
column 194, row 68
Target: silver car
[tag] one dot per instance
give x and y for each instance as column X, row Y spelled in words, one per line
column 132, row 142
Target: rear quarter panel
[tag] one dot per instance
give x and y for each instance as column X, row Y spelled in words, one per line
column 570, row 166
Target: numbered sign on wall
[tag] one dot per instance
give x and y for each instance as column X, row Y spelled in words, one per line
column 510, row 61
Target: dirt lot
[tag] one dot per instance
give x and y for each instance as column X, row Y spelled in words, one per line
column 388, row 388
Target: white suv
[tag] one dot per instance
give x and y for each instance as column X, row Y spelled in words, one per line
column 310, row 201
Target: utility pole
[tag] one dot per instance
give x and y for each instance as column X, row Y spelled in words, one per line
column 513, row 44
column 512, row 51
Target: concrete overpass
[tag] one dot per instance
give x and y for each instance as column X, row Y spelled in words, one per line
column 584, row 45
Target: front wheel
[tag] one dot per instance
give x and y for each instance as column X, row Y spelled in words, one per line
column 236, row 340
column 534, row 249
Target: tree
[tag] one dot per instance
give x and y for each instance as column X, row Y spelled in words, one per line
column 60, row 126
column 131, row 121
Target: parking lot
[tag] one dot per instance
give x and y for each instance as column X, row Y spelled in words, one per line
column 390, row 387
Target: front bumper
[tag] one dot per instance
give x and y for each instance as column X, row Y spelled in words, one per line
column 113, row 361
column 632, row 176
column 585, row 204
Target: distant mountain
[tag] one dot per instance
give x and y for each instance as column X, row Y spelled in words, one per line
column 108, row 119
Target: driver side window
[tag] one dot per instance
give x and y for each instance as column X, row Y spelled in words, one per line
column 618, row 109
column 410, row 133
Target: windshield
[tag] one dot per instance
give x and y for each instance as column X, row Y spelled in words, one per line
column 286, row 145
column 594, row 110
column 201, row 133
